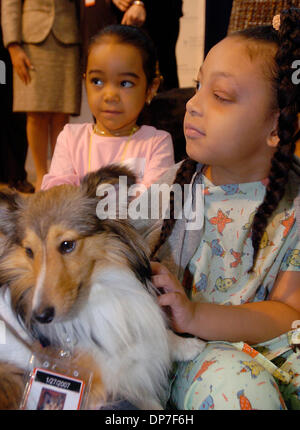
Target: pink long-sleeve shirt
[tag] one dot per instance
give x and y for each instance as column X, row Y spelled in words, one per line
column 148, row 152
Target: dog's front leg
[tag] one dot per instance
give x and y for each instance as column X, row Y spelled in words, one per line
column 88, row 365
column 184, row 348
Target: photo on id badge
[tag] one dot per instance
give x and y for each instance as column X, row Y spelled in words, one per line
column 53, row 391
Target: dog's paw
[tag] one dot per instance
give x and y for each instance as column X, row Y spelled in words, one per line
column 191, row 347
column 184, row 348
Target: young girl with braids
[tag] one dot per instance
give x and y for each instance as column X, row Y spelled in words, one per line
column 239, row 277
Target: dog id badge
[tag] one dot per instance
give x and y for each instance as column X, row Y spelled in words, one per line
column 53, row 391
column 55, row 383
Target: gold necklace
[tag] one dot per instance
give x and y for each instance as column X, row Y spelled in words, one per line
column 102, row 133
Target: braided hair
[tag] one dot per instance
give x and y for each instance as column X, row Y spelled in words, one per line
column 287, row 97
column 286, row 100
column 183, row 176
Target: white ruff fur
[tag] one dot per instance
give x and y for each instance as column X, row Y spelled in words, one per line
column 124, row 328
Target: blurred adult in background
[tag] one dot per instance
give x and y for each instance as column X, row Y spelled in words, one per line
column 42, row 37
column 161, row 19
column 130, row 12
column 94, row 15
column 13, row 140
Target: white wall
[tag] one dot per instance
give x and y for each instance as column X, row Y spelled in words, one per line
column 190, row 44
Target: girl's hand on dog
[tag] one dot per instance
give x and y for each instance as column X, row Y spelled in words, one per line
column 174, row 296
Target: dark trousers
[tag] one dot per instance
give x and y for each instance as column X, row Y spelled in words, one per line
column 165, row 41
column 217, row 16
column 13, row 138
column 162, row 24
column 13, row 148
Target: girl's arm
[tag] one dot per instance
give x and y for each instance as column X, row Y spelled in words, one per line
column 62, row 169
column 251, row 322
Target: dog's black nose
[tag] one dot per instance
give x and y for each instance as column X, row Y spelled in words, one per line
column 46, row 316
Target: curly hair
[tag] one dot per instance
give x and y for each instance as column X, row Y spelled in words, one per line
column 286, row 101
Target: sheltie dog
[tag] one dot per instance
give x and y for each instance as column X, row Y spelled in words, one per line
column 72, row 275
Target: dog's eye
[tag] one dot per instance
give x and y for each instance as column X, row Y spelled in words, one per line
column 29, row 252
column 67, row 246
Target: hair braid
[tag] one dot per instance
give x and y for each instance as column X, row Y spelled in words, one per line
column 183, row 176
column 288, row 102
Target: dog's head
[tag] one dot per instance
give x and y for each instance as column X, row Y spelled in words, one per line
column 52, row 242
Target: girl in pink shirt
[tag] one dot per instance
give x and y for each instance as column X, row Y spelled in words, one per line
column 121, row 76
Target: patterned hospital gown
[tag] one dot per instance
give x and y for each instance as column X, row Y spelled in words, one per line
column 223, row 377
column 221, row 262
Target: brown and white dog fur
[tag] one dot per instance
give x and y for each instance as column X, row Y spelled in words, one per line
column 73, row 275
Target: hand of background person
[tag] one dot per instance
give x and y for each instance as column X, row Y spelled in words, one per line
column 123, row 5
column 20, row 62
column 174, row 296
column 134, row 15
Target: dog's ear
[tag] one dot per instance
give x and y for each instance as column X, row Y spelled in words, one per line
column 108, row 187
column 10, row 204
column 106, row 175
